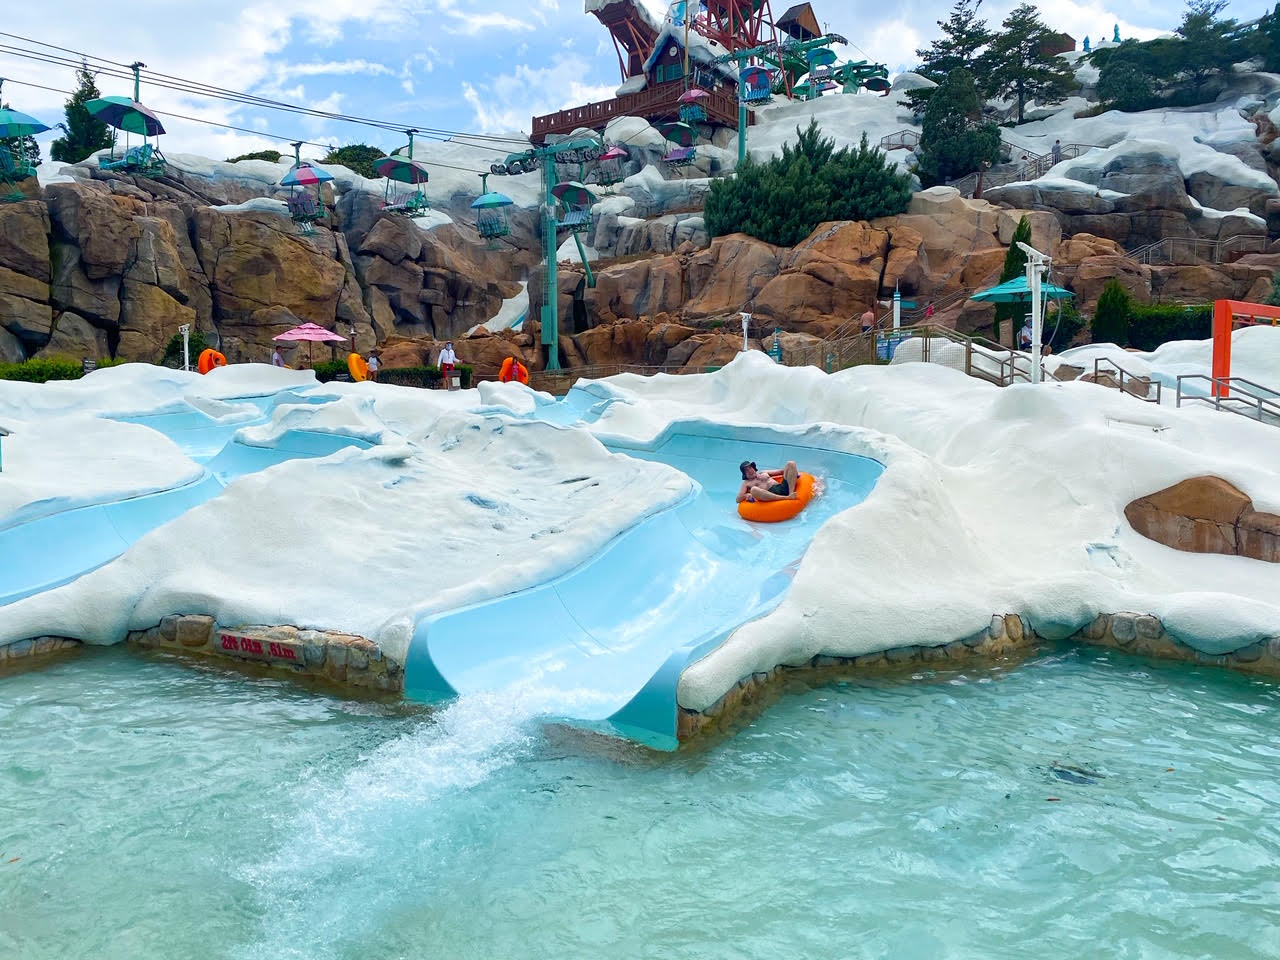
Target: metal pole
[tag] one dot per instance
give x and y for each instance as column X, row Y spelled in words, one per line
column 551, row 292
column 742, row 112
column 1037, row 321
column 746, row 323
column 897, row 309
column 137, row 65
column 185, row 330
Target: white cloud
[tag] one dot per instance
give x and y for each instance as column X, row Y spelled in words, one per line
column 508, row 101
column 471, row 24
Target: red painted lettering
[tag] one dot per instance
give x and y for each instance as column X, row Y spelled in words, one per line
column 229, row 643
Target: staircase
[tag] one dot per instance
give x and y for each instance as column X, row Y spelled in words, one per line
column 1191, row 250
column 1236, row 395
column 929, row 343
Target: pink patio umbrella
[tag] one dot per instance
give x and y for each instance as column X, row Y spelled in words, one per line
column 312, row 333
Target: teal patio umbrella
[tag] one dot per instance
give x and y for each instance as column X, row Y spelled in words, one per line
column 1016, row 290
column 15, row 125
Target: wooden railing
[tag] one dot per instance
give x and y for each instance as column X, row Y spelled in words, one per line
column 721, row 108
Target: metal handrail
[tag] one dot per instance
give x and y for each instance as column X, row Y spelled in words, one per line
column 1147, row 382
column 1215, row 248
column 846, row 330
column 1259, row 406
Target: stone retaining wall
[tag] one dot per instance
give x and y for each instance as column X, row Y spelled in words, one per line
column 1145, row 635
column 28, row 651
column 340, row 658
column 1135, row 633
column 1004, row 635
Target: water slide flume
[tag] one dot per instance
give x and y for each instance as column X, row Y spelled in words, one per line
column 48, row 551
column 607, row 641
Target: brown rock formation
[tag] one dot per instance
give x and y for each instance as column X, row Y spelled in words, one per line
column 1207, row 515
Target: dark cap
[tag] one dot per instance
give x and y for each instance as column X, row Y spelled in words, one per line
column 742, row 467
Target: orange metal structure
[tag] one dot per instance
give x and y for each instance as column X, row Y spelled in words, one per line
column 1227, row 315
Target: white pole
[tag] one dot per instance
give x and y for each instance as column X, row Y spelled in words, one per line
column 897, row 309
column 185, row 330
column 746, row 323
column 1036, row 263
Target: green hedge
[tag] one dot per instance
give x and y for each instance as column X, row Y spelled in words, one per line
column 44, row 369
column 428, row 377
column 1157, row 323
column 401, row 376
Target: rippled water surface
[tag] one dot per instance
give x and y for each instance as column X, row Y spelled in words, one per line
column 1076, row 805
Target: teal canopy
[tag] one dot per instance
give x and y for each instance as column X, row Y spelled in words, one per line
column 1015, row 291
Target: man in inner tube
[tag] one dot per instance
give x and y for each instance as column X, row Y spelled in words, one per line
column 762, row 486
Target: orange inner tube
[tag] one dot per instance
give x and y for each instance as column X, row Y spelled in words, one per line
column 771, row 511
column 513, row 369
column 209, row 359
column 357, row 367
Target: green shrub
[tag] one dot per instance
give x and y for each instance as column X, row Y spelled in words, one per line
column 1111, row 316
column 356, row 157
column 172, row 356
column 401, row 376
column 42, row 370
column 1273, row 298
column 1157, row 323
column 1063, row 326
column 329, row 370
column 271, row 155
column 782, row 200
column 428, row 377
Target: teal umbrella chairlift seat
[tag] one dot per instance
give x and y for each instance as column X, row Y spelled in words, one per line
column 491, row 214
column 14, row 163
column 132, row 117
column 404, row 169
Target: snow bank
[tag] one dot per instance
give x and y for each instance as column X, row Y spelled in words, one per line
column 993, row 501
column 57, row 463
column 512, row 312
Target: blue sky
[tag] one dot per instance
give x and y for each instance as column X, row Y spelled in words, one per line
column 481, row 66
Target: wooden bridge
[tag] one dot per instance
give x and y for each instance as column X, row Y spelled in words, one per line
column 655, row 104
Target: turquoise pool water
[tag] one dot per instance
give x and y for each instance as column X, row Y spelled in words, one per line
column 151, row 810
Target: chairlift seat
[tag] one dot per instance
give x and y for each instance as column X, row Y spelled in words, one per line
column 575, row 219
column 408, row 205
column 680, row 156
column 13, row 169
column 143, row 159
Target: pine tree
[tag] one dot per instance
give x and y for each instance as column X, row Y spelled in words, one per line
column 1264, row 42
column 1018, row 66
column 1209, row 45
column 82, row 134
column 964, row 38
column 1015, row 265
column 1111, row 316
column 955, row 139
column 782, row 200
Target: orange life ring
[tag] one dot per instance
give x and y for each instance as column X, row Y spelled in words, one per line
column 520, row 372
column 771, row 511
column 209, row 359
column 357, row 367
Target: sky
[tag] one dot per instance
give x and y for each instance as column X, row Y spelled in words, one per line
column 479, row 66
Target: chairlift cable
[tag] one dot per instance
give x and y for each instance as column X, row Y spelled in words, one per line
column 207, row 90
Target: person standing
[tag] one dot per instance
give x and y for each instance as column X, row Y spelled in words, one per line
column 1024, row 335
column 928, row 311
column 1056, row 153
column 1022, row 168
column 374, row 365
column 448, row 360
column 868, row 320
column 276, row 359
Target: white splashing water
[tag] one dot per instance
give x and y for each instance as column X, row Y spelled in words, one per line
column 355, row 847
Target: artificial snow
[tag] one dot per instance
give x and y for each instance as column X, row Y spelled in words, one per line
column 510, row 315
column 993, row 501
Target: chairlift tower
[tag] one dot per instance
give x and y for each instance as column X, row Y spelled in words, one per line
column 575, row 150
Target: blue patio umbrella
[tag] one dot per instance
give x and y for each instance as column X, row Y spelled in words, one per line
column 14, row 125
column 125, row 114
column 1016, row 290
